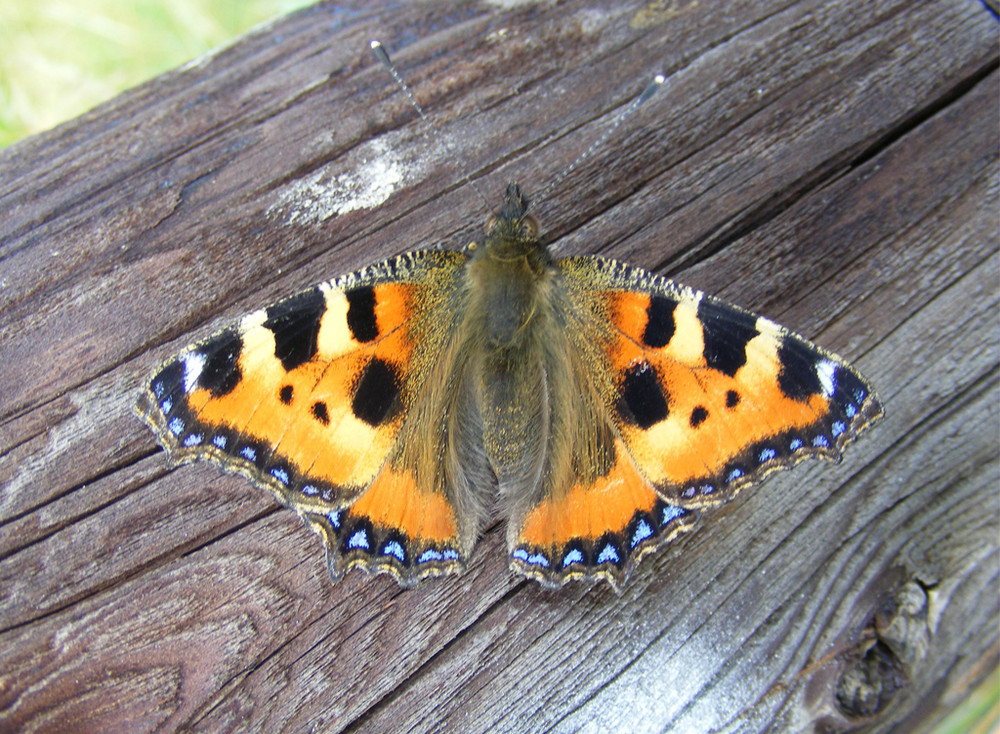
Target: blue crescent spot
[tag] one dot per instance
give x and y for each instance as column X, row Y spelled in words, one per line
column 193, row 439
column 167, row 405
column 334, row 518
column 248, row 453
column 734, row 474
column 837, row 428
column 707, row 488
column 158, row 389
column 535, row 559
column 820, row 441
column 574, row 556
column 689, row 493
column 450, row 554
column 608, row 554
column 219, row 440
column 394, row 549
column 767, row 455
column 795, row 445
column 642, row 531
column 850, row 410
column 358, row 540
column 429, row 555
column 309, row 490
column 280, row 474
column 671, row 513
column 176, row 426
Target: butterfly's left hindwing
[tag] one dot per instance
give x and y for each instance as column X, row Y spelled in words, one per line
column 307, row 399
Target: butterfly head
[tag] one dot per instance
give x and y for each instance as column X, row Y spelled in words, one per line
column 508, row 276
column 512, row 230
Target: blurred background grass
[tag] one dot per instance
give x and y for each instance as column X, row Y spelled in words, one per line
column 59, row 58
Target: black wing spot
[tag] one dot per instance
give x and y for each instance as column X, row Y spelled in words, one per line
column 295, row 324
column 698, row 416
column 286, row 393
column 797, row 377
column 659, row 322
column 848, row 388
column 643, row 401
column 170, row 378
column 727, row 332
column 376, row 392
column 361, row 314
column 732, row 398
column 320, row 412
column 222, row 369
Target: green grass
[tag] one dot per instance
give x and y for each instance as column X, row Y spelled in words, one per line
column 979, row 713
column 62, row 57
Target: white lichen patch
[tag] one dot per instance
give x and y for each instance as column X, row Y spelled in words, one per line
column 379, row 172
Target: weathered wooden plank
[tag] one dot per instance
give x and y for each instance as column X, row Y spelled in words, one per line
column 833, row 169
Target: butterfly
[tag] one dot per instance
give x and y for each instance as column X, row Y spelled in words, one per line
column 598, row 405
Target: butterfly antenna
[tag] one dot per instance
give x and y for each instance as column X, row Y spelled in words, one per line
column 648, row 92
column 382, row 55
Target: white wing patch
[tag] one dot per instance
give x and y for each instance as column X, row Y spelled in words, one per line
column 194, row 363
column 826, row 371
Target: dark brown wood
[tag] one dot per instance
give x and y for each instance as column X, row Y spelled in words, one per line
column 834, row 169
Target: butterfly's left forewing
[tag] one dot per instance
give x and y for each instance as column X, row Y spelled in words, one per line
column 308, row 399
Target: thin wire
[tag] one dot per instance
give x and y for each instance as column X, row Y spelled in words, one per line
column 654, row 85
column 382, row 55
column 648, row 92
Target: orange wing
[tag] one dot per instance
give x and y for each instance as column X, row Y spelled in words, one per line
column 711, row 398
column 307, row 398
column 596, row 529
column 702, row 399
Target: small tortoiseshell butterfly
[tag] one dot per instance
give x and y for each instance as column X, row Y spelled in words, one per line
column 604, row 405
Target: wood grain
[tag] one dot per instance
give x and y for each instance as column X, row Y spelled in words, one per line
column 834, row 169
